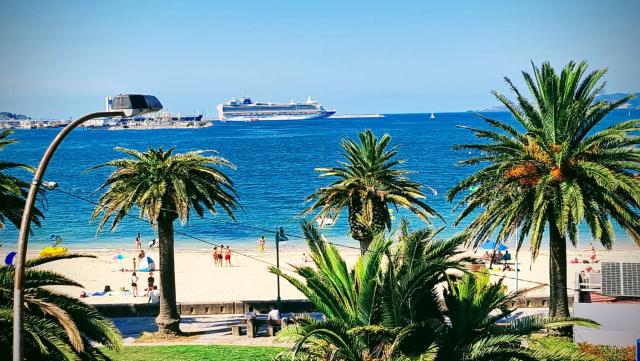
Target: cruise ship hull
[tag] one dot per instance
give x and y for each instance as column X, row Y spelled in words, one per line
column 249, row 118
column 247, row 111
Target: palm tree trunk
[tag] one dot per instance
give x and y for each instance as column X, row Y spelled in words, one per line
column 558, row 299
column 359, row 232
column 168, row 319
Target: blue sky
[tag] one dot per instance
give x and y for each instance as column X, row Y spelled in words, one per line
column 60, row 58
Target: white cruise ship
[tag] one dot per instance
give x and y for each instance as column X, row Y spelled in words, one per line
column 245, row 110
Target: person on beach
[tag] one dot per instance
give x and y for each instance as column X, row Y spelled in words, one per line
column 150, row 282
column 305, row 259
column 141, row 255
column 261, row 244
column 498, row 257
column 138, row 243
column 154, row 296
column 486, row 256
column 152, row 243
column 220, row 255
column 215, row 255
column 507, row 256
column 134, row 264
column 134, row 284
column 593, row 257
column 227, row 256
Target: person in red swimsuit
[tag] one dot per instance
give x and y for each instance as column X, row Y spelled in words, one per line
column 227, row 256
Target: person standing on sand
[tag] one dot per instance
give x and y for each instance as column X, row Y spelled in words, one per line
column 150, row 282
column 134, row 284
column 138, row 243
column 134, row 264
column 220, row 254
column 227, row 256
column 261, row 244
column 215, row 255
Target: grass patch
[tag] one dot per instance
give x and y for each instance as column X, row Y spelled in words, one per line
column 151, row 337
column 194, row 353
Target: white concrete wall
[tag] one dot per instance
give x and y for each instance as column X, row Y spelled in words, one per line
column 620, row 323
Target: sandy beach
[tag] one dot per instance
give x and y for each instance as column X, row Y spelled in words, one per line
column 198, row 279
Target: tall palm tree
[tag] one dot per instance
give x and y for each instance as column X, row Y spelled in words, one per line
column 57, row 327
column 367, row 183
column 165, row 187
column 13, row 191
column 554, row 171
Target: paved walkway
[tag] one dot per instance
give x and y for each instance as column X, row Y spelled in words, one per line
column 212, row 329
column 216, row 329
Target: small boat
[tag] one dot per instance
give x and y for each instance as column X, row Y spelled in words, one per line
column 324, row 221
column 433, row 116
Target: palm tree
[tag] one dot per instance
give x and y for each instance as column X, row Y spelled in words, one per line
column 368, row 182
column 554, row 171
column 13, row 191
column 474, row 307
column 165, row 187
column 388, row 306
column 57, row 327
column 373, row 310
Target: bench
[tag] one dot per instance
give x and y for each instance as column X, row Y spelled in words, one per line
column 252, row 326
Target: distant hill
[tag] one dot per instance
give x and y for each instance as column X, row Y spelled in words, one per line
column 12, row 116
column 633, row 103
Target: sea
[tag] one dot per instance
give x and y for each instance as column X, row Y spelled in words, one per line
column 275, row 172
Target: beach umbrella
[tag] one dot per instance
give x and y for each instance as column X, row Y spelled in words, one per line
column 146, row 265
column 492, row 246
column 119, row 258
column 9, row 259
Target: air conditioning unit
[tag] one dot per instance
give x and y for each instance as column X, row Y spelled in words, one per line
column 621, row 279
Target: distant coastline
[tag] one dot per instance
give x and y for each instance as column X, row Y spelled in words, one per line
column 631, row 104
column 350, row 116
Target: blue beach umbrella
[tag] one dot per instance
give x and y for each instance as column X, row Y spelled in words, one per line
column 9, row 259
column 492, row 246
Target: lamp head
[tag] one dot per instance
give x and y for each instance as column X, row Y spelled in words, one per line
column 135, row 104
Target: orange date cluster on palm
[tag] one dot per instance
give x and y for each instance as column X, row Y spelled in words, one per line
column 556, row 174
column 526, row 174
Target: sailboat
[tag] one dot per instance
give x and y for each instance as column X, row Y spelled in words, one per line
column 433, row 116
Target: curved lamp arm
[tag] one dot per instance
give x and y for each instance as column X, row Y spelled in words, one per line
column 18, row 296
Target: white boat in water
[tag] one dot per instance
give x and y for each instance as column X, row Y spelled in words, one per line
column 433, row 116
column 324, row 221
column 245, row 110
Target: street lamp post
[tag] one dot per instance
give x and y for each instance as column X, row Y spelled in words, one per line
column 123, row 105
column 280, row 237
